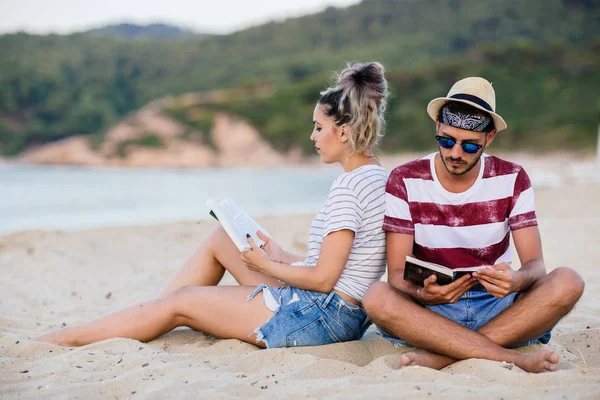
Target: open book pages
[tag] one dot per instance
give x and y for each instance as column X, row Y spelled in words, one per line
column 235, row 222
column 416, row 271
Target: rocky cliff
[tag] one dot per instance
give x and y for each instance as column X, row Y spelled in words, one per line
column 148, row 138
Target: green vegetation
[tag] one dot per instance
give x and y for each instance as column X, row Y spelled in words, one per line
column 198, row 119
column 542, row 55
column 141, row 32
column 147, row 139
column 549, row 98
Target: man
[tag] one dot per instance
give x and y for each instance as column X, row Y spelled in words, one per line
column 458, row 208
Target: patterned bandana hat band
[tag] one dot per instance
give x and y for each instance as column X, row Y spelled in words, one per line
column 468, row 122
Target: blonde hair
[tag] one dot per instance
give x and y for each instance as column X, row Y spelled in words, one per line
column 358, row 98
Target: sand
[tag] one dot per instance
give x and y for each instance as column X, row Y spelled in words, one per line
column 52, row 278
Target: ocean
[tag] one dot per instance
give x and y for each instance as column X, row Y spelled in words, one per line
column 70, row 198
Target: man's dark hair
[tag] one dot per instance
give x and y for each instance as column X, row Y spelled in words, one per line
column 464, row 108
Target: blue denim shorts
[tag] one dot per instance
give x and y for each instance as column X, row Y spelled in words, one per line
column 308, row 318
column 473, row 310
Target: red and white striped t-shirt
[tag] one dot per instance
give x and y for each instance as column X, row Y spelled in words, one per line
column 460, row 229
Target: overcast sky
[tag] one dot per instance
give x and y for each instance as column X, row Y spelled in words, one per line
column 219, row 16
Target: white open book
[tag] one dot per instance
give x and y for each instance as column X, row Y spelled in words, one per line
column 235, row 222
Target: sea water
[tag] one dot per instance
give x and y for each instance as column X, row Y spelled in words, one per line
column 67, row 198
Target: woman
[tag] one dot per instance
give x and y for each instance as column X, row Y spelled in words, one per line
column 283, row 299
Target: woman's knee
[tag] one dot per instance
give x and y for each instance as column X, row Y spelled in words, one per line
column 218, row 242
column 177, row 302
column 217, row 236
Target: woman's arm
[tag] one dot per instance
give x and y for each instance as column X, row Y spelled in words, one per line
column 335, row 250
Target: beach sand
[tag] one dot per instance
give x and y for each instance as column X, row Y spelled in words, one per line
column 52, row 278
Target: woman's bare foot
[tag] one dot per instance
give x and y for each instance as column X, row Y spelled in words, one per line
column 424, row 359
column 542, row 361
column 59, row 337
column 49, row 337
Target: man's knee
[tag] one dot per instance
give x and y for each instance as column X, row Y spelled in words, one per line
column 566, row 286
column 377, row 301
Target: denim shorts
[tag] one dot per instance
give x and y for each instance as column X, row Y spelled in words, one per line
column 308, row 318
column 473, row 310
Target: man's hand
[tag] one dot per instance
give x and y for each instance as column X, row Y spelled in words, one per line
column 256, row 259
column 499, row 280
column 432, row 293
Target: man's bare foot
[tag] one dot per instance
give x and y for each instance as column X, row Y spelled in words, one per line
column 542, row 361
column 429, row 360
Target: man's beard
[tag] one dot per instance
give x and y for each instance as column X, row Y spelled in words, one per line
column 461, row 161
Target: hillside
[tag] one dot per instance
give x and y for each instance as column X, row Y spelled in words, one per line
column 551, row 96
column 135, row 32
column 58, row 86
column 551, row 99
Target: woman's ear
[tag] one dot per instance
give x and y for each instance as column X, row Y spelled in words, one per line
column 344, row 133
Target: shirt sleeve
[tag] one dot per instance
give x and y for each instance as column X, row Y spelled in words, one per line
column 397, row 212
column 522, row 210
column 342, row 210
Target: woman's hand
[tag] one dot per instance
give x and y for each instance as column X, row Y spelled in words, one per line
column 272, row 248
column 256, row 259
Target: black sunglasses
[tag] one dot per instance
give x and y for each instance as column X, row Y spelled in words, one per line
column 447, row 143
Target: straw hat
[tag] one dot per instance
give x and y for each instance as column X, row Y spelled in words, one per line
column 474, row 91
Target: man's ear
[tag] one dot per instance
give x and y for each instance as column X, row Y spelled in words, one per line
column 490, row 137
column 344, row 133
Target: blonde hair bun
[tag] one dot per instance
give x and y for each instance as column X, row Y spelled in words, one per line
column 358, row 98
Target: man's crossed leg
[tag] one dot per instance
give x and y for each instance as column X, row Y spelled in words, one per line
column 534, row 312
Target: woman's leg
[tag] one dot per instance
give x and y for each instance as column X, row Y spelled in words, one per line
column 221, row 311
column 207, row 265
